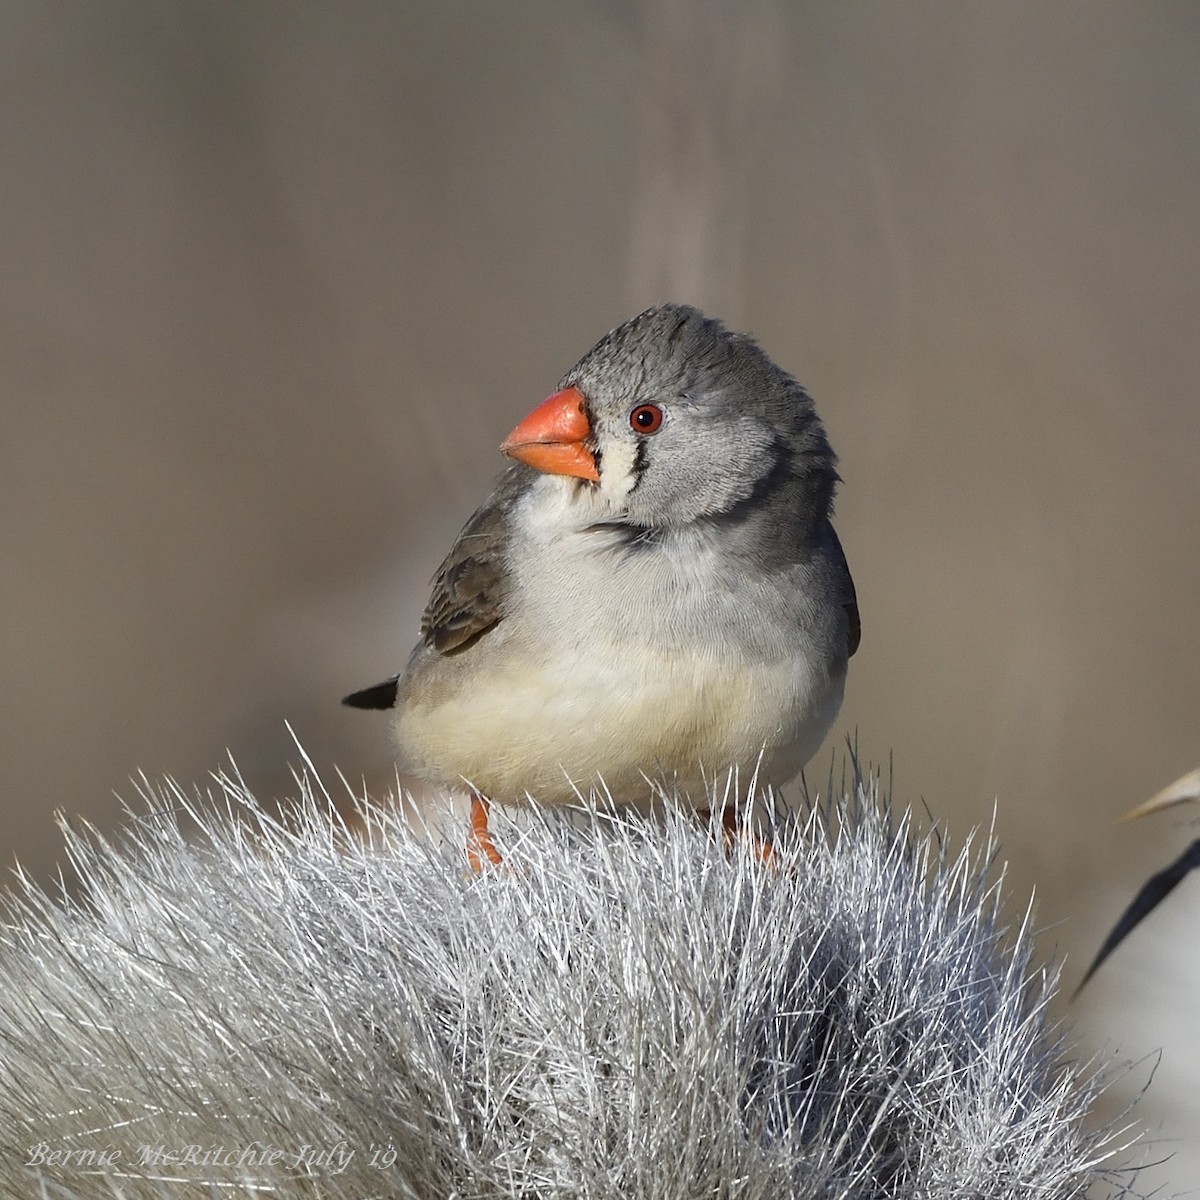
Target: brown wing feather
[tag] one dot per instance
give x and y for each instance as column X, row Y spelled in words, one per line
column 471, row 587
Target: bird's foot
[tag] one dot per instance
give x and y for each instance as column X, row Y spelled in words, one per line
column 734, row 829
column 480, row 846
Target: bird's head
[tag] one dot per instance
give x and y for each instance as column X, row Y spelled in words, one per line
column 671, row 419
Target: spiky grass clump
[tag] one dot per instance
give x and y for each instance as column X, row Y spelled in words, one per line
column 626, row 1009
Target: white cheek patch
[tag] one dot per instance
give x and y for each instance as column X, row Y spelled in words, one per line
column 616, row 471
column 558, row 504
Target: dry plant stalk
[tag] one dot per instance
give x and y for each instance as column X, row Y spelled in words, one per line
column 626, row 1009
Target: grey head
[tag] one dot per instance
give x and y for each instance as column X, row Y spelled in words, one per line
column 691, row 422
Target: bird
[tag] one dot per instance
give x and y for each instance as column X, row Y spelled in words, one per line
column 653, row 593
column 1160, row 885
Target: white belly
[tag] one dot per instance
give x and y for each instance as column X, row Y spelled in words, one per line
column 609, row 720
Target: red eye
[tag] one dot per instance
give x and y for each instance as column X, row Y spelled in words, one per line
column 646, row 418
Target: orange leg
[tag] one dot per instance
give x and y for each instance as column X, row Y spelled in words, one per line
column 479, row 839
column 733, row 830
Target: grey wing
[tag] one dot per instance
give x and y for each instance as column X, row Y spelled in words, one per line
column 471, row 587
column 849, row 598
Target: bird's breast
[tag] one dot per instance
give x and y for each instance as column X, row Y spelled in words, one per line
column 622, row 666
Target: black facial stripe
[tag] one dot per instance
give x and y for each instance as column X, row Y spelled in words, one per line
column 592, row 442
column 639, row 463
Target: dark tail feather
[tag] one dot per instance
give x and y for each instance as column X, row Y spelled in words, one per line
column 382, row 695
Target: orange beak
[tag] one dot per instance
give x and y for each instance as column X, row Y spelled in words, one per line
column 552, row 437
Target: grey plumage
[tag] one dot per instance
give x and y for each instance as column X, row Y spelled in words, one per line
column 703, row 549
column 736, row 426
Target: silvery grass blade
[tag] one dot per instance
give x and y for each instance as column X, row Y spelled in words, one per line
column 230, row 1004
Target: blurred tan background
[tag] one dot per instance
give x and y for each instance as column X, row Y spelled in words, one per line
column 277, row 278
